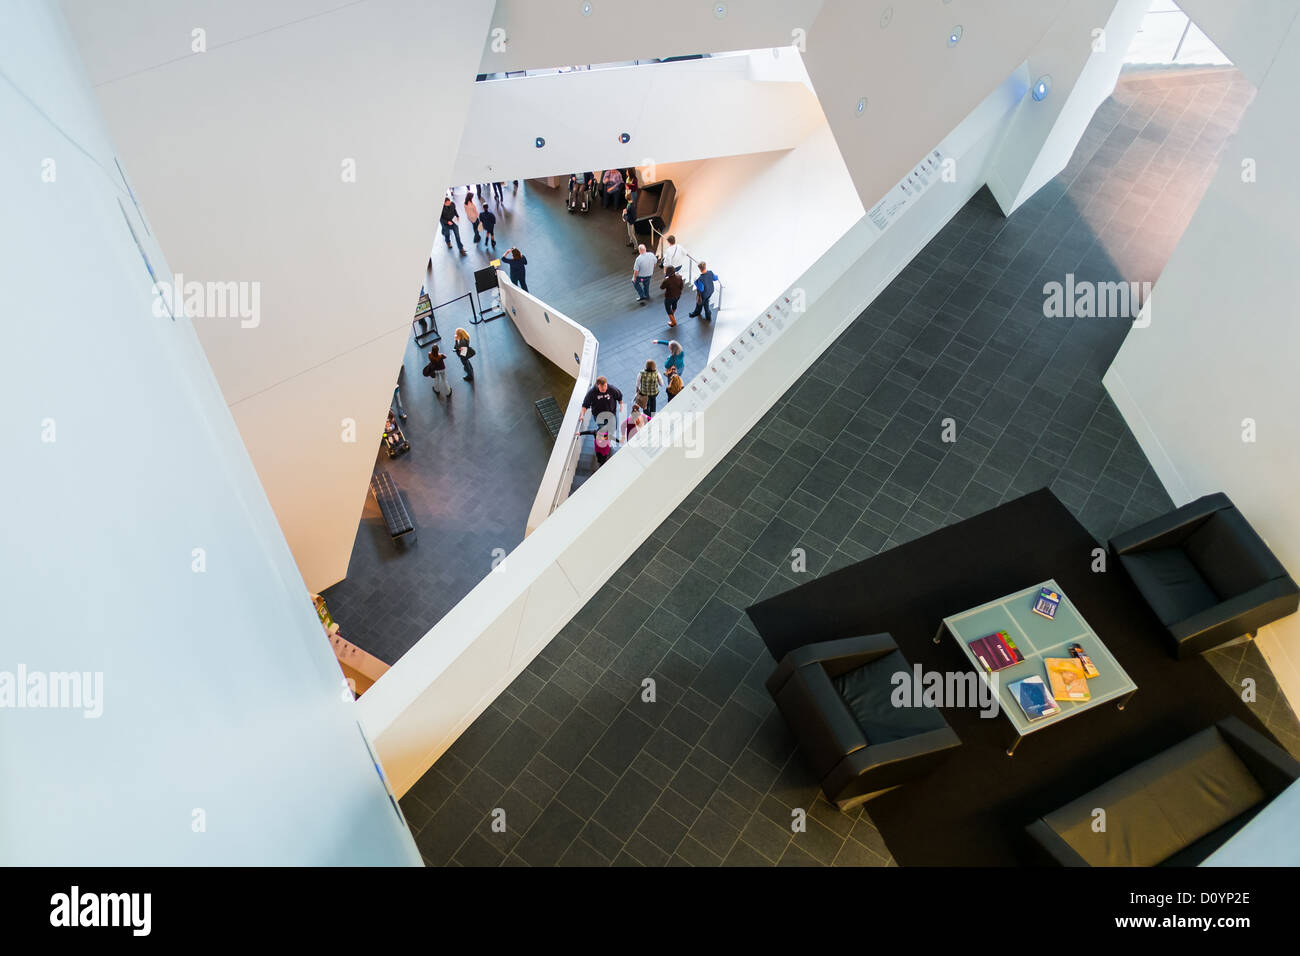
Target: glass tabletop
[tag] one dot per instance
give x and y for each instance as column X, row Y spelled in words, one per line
column 1039, row 637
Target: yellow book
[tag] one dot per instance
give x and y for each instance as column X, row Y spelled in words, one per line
column 1067, row 678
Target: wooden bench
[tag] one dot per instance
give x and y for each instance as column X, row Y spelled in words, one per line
column 390, row 506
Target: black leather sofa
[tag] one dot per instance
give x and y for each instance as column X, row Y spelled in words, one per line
column 835, row 697
column 1206, row 574
column 1173, row 809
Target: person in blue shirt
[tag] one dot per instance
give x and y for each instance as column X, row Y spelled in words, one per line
column 676, row 360
column 704, row 292
column 515, row 262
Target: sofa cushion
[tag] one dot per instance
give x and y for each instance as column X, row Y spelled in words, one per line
column 1170, row 583
column 867, row 691
column 1230, row 556
column 1161, row 806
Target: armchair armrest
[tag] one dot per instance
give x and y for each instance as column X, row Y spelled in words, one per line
column 1171, row 529
column 1239, row 615
column 837, row 657
column 1273, row 767
column 883, row 766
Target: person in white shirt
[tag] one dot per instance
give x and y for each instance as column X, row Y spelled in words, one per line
column 673, row 255
column 642, row 269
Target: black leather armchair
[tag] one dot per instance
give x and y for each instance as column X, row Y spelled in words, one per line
column 835, row 697
column 1206, row 574
column 1174, row 809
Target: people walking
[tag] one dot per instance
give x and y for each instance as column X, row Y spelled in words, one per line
column 675, row 385
column 676, row 361
column 471, row 213
column 635, row 419
column 437, row 370
column 648, row 383
column 674, row 256
column 704, row 292
column 672, row 286
column 605, row 402
column 488, row 220
column 464, row 351
column 497, row 190
column 643, row 267
column 516, row 261
column 449, row 219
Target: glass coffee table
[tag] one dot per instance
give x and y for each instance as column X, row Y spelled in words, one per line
column 1038, row 637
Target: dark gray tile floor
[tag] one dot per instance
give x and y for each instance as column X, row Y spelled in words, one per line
column 476, row 460
column 848, row 463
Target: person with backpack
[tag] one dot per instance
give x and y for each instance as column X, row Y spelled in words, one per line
column 648, row 384
column 464, row 351
column 515, row 262
column 437, row 370
column 672, row 286
column 488, row 220
column 704, row 292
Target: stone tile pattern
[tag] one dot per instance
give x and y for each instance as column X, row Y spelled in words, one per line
column 848, row 463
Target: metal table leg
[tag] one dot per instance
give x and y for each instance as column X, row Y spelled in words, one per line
column 1123, row 701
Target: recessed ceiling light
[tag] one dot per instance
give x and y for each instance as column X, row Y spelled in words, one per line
column 955, row 36
column 886, row 16
column 586, row 9
column 624, row 137
column 719, row 10
column 540, row 142
column 1042, row 86
column 862, row 106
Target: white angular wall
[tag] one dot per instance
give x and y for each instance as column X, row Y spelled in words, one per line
column 239, row 156
column 139, row 545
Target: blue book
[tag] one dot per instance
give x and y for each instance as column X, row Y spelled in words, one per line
column 1034, row 698
column 1046, row 603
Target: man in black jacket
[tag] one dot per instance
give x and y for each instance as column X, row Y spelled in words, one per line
column 449, row 219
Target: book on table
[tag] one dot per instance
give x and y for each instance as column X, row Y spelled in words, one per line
column 996, row 651
column 1047, row 602
column 1032, row 695
column 1068, row 679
